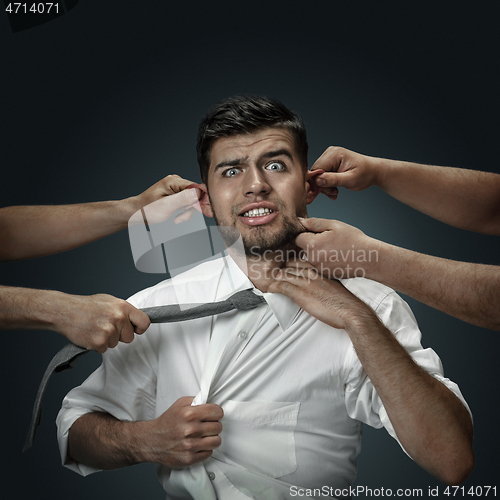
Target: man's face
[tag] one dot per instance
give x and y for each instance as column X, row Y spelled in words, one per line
column 257, row 184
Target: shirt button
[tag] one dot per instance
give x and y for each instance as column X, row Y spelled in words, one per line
column 243, row 335
column 211, row 476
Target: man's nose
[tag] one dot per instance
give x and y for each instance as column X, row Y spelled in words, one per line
column 256, row 182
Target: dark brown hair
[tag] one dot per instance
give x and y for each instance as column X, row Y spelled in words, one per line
column 243, row 115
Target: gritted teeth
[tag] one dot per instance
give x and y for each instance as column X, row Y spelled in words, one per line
column 258, row 212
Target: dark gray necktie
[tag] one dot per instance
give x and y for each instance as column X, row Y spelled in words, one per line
column 69, row 354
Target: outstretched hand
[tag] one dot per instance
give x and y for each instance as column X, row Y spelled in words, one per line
column 162, row 200
column 336, row 249
column 97, row 322
column 325, row 299
column 344, row 168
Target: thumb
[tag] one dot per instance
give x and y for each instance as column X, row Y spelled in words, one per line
column 332, row 179
column 315, row 225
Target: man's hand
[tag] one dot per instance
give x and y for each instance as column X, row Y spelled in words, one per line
column 181, row 436
column 184, row 435
column 347, row 169
column 171, row 184
column 161, row 200
column 96, row 322
column 338, row 250
column 325, row 299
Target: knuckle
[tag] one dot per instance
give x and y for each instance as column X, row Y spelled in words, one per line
column 187, row 445
column 188, row 431
column 118, row 315
column 188, row 414
column 101, row 343
column 108, row 330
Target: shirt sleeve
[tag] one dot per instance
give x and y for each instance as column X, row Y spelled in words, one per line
column 123, row 386
column 362, row 400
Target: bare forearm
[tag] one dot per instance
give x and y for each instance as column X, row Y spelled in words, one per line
column 25, row 308
column 470, row 292
column 101, row 441
column 467, row 199
column 35, row 231
column 91, row 321
column 180, row 437
column 429, row 420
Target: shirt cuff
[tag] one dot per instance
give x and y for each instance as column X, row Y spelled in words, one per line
column 65, row 419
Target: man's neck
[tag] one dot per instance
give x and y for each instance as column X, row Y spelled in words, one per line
column 261, row 269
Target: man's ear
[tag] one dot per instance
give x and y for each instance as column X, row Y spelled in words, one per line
column 206, row 208
column 312, row 190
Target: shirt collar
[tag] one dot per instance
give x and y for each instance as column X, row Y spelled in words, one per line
column 283, row 307
column 233, row 279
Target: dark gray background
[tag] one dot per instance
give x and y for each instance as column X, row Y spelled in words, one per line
column 104, row 101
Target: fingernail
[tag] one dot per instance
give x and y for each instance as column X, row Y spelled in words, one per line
column 320, row 182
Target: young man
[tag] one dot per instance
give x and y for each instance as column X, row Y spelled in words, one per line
column 260, row 403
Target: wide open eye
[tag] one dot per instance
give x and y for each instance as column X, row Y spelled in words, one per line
column 275, row 166
column 231, row 172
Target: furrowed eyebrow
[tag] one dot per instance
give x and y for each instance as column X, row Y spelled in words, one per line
column 278, row 152
column 230, row 163
column 240, row 161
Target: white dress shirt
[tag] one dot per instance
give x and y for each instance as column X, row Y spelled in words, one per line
column 293, row 391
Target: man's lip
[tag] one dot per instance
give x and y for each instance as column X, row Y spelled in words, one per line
column 258, row 221
column 260, row 204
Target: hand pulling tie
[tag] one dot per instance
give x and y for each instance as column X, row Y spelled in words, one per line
column 69, row 354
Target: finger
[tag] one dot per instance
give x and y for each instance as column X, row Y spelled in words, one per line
column 210, row 429
column 113, row 339
column 208, row 444
column 315, row 225
column 199, row 457
column 210, row 412
column 160, row 210
column 331, row 192
column 139, row 319
column 101, row 349
column 330, row 160
column 197, row 187
column 177, row 183
column 312, row 175
column 298, row 264
column 188, row 197
column 284, row 288
column 333, row 179
column 184, row 401
column 292, row 274
column 184, row 216
column 127, row 333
